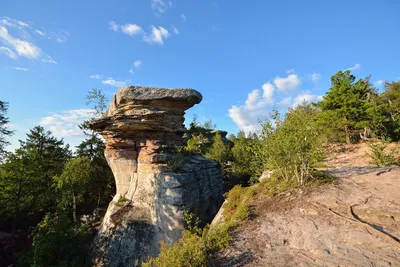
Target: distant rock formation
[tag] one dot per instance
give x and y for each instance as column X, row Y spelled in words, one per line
column 143, row 129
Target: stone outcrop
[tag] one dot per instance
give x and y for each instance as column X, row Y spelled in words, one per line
column 155, row 181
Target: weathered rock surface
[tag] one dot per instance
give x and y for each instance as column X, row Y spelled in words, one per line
column 143, row 129
column 353, row 223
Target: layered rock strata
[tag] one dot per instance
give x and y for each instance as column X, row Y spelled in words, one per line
column 155, row 181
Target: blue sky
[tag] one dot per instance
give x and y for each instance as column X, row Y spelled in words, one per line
column 245, row 57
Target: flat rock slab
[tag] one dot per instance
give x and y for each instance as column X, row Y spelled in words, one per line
column 353, row 223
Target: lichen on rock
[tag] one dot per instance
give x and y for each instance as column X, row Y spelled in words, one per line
column 142, row 128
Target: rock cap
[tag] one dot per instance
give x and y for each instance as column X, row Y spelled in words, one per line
column 181, row 98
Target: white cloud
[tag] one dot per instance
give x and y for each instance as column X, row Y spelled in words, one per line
column 113, row 26
column 21, row 69
column 131, row 29
column 40, row 33
column 131, row 70
column 355, row 67
column 95, row 77
column 315, row 77
column 285, row 102
column 159, row 7
column 137, row 64
column 65, row 124
column 183, row 17
column 157, row 35
column 8, row 52
column 247, row 116
column 290, row 83
column 23, row 48
column 176, row 31
column 379, row 83
column 306, row 97
column 112, row 82
column 49, row 60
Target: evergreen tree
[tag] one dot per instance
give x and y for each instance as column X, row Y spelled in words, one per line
column 3, row 129
column 219, row 151
column 347, row 102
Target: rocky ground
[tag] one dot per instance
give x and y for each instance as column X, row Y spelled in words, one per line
column 355, row 222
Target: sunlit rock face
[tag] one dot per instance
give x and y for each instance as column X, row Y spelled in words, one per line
column 143, row 129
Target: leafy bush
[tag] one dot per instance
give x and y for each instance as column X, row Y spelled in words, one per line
column 294, row 145
column 197, row 247
column 56, row 242
column 382, row 156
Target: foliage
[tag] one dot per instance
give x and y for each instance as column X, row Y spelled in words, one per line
column 292, row 146
column 26, row 175
column 72, row 183
column 219, row 151
column 3, row 127
column 56, row 242
column 100, row 185
column 347, row 101
column 198, row 247
column 383, row 156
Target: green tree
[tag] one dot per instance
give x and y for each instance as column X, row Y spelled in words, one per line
column 49, row 155
column 100, row 186
column 3, row 127
column 292, row 146
column 56, row 242
column 244, row 152
column 219, row 151
column 347, row 102
column 72, row 183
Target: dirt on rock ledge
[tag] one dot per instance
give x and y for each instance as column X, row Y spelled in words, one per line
column 353, row 223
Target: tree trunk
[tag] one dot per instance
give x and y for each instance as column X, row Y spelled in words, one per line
column 346, row 129
column 73, row 206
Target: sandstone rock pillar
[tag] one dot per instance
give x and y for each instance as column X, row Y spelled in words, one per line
column 143, row 130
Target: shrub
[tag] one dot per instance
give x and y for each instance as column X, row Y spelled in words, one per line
column 382, row 155
column 197, row 247
column 56, row 242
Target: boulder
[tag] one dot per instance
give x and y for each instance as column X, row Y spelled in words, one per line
column 143, row 129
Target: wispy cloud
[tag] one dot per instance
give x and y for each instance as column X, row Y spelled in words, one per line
column 157, row 35
column 113, row 26
column 136, row 65
column 95, row 77
column 8, row 52
column 175, row 30
column 19, row 42
column 40, row 33
column 49, row 60
column 159, row 7
column 23, row 48
column 355, row 67
column 183, row 17
column 112, row 82
column 379, row 83
column 315, row 78
column 21, row 69
column 66, row 124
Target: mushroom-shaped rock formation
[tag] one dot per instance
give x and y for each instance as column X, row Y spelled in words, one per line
column 155, row 180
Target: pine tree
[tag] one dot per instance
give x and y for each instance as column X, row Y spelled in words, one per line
column 348, row 101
